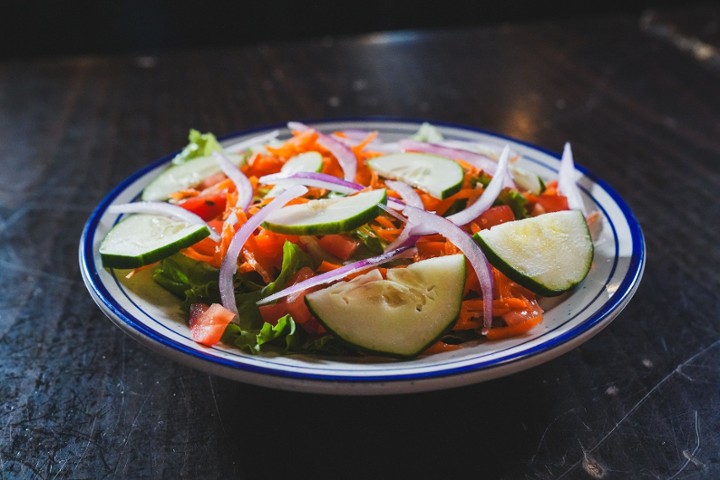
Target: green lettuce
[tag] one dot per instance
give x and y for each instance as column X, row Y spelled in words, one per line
column 516, row 201
column 190, row 280
column 197, row 282
column 294, row 258
column 199, row 145
column 284, row 334
column 370, row 243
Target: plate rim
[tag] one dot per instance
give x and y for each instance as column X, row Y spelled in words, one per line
column 379, row 383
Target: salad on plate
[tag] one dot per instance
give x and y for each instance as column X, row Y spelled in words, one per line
column 345, row 243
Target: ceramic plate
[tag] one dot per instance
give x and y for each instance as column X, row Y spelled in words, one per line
column 152, row 316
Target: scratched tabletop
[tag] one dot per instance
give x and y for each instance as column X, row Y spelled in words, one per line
column 637, row 95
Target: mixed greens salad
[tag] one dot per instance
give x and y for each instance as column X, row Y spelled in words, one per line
column 346, row 243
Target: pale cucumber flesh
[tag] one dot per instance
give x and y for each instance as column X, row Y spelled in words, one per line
column 326, row 216
column 141, row 239
column 184, row 175
column 548, row 254
column 305, row 162
column 438, row 176
column 399, row 316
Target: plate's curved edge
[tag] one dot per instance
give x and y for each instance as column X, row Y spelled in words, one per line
column 371, row 385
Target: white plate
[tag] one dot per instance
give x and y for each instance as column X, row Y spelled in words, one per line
column 569, row 321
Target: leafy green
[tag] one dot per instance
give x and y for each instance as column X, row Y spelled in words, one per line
column 197, row 282
column 199, row 145
column 294, row 258
column 456, row 206
column 369, row 240
column 249, row 316
column 483, row 179
column 284, row 329
column 283, row 334
column 515, row 200
column 190, row 280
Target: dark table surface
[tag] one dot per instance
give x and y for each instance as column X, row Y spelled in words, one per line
column 637, row 96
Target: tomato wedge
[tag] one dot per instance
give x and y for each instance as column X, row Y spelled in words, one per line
column 206, row 207
column 208, row 322
column 292, row 304
column 495, row 216
column 339, row 245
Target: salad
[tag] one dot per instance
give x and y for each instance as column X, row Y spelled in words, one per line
column 348, row 244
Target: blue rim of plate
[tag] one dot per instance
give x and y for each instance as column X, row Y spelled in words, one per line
column 623, row 293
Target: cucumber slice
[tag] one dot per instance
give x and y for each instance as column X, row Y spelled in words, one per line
column 400, row 316
column 142, row 239
column 330, row 215
column 527, row 180
column 304, row 162
column 184, row 175
column 438, row 176
column 548, row 254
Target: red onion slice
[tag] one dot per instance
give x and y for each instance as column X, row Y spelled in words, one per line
column 242, row 184
column 477, row 160
column 345, row 157
column 488, row 197
column 411, row 199
column 339, row 273
column 312, row 179
column 229, row 263
column 567, row 180
column 406, row 192
column 469, row 248
column 164, row 209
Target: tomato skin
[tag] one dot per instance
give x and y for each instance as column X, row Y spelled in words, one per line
column 548, row 202
column 294, row 305
column 495, row 216
column 208, row 322
column 340, row 246
column 206, row 207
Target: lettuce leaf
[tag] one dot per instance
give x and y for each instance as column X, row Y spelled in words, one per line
column 199, row 145
column 197, row 282
column 294, row 258
column 515, row 200
column 190, row 280
column 283, row 334
column 370, row 243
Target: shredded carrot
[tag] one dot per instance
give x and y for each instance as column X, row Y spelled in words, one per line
column 263, row 165
column 498, row 333
column 300, row 142
column 185, row 193
column 137, row 270
column 385, row 221
column 326, row 266
column 440, row 346
column 357, row 149
column 200, row 257
column 387, row 234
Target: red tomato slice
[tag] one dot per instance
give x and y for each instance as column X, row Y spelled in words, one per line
column 206, row 207
column 340, row 246
column 208, row 323
column 293, row 304
column 552, row 203
column 495, row 216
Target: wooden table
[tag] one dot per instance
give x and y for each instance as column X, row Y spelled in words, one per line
column 637, row 97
